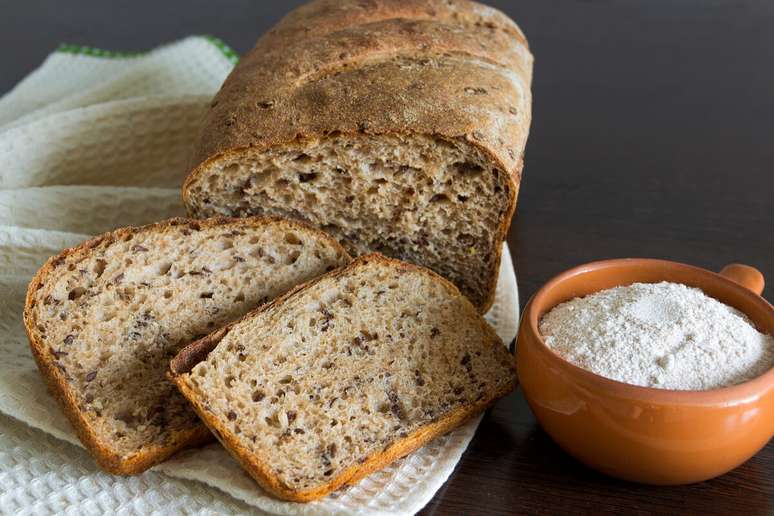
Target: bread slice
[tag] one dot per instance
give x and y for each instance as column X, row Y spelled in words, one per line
column 398, row 127
column 104, row 319
column 343, row 375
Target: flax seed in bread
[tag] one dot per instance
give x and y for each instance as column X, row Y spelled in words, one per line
column 104, row 319
column 343, row 375
column 398, row 126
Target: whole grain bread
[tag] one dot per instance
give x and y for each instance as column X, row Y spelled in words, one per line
column 343, row 375
column 105, row 318
column 398, row 126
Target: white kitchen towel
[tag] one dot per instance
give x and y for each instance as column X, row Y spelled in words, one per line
column 95, row 140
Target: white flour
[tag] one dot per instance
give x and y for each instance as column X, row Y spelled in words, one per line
column 663, row 335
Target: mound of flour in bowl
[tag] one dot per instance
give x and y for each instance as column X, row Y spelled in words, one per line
column 663, row 335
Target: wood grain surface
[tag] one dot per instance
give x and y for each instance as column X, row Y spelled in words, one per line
column 652, row 136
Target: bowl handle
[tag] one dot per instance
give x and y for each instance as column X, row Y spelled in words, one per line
column 749, row 277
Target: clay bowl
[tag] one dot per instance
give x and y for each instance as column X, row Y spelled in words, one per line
column 647, row 435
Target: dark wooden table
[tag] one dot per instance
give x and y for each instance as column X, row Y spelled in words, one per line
column 652, row 136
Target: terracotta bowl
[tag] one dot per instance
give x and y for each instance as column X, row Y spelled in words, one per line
column 647, row 435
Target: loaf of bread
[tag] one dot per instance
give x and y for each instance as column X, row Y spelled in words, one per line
column 397, row 126
column 105, row 318
column 343, row 375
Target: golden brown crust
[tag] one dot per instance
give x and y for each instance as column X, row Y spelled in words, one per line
column 318, row 71
column 333, row 16
column 56, row 381
column 458, row 71
column 260, row 472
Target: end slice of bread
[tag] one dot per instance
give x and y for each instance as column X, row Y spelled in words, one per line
column 105, row 318
column 343, row 375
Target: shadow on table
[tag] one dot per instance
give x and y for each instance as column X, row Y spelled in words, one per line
column 513, row 466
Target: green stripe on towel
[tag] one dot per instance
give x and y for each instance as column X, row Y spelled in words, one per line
column 67, row 48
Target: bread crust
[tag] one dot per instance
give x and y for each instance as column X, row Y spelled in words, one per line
column 107, row 458
column 317, row 73
column 261, row 472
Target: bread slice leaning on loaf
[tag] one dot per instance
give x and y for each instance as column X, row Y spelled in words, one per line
column 397, row 126
column 343, row 375
column 105, row 318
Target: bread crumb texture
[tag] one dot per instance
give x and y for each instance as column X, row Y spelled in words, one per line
column 421, row 199
column 322, row 380
column 111, row 313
